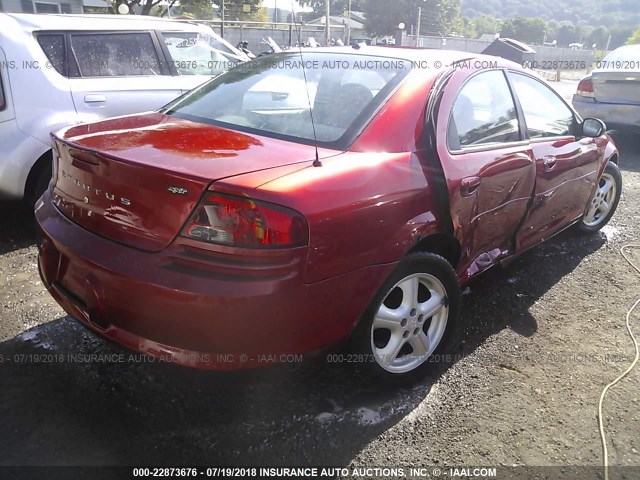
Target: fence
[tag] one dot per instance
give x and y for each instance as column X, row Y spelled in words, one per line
column 282, row 33
column 545, row 57
column 291, row 33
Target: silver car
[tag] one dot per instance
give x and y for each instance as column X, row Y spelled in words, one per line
column 612, row 91
column 59, row 70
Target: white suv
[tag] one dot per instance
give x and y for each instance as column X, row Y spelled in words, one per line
column 58, row 70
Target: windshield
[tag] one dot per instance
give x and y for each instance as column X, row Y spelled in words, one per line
column 197, row 53
column 270, row 96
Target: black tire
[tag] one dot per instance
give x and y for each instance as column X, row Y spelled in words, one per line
column 611, row 172
column 368, row 342
column 38, row 185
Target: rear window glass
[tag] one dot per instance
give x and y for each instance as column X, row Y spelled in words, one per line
column 198, row 53
column 628, row 53
column 115, row 54
column 27, row 6
column 53, row 47
column 275, row 96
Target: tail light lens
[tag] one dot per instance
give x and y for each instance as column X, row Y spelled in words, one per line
column 585, row 88
column 242, row 222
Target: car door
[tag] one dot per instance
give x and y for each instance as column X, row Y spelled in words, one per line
column 118, row 73
column 488, row 166
column 566, row 166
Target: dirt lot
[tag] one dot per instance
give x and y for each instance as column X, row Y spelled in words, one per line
column 543, row 337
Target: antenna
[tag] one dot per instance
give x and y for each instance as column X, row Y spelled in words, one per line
column 316, row 162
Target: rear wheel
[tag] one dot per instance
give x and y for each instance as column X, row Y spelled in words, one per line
column 604, row 202
column 411, row 318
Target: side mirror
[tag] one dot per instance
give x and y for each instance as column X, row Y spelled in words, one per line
column 593, row 127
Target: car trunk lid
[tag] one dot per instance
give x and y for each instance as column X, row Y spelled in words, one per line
column 136, row 180
column 619, row 86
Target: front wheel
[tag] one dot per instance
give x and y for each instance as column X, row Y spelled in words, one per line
column 412, row 317
column 604, row 202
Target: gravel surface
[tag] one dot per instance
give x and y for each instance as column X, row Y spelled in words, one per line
column 543, row 337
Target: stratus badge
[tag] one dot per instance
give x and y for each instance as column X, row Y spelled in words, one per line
column 178, row 190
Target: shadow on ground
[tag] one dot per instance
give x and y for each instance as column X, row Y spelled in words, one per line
column 17, row 227
column 628, row 145
column 66, row 397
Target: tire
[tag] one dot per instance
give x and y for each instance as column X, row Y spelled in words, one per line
column 419, row 326
column 605, row 201
column 39, row 185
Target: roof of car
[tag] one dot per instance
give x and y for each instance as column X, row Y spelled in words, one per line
column 91, row 22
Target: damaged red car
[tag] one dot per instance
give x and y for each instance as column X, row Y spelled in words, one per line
column 310, row 198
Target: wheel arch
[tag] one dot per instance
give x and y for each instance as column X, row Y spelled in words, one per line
column 44, row 161
column 443, row 244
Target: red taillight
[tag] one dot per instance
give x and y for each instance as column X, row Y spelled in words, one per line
column 242, row 222
column 585, row 88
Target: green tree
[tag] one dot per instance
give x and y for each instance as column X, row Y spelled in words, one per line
column 598, row 37
column 619, row 36
column 240, row 9
column 634, row 38
column 486, row 24
column 528, row 30
column 439, row 17
column 338, row 7
column 234, row 7
column 567, row 33
column 198, row 9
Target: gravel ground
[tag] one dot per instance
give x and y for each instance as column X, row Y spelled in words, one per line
column 543, row 337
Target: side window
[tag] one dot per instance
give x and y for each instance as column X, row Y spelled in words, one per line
column 484, row 113
column 115, row 54
column 546, row 115
column 52, row 45
column 3, row 102
column 65, row 8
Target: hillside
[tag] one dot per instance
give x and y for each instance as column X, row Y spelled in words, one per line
column 588, row 12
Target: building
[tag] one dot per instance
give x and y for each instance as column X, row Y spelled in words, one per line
column 342, row 22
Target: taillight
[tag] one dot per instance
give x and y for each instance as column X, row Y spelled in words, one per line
column 242, row 222
column 585, row 88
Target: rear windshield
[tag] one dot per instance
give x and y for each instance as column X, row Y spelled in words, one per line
column 197, row 53
column 630, row 52
column 277, row 95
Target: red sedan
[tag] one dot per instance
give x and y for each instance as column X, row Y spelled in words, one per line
column 301, row 200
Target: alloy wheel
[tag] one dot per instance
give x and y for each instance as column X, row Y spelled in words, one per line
column 602, row 202
column 409, row 323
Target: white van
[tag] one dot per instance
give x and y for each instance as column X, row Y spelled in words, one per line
column 58, row 70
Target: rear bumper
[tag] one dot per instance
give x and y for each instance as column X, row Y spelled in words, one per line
column 202, row 318
column 614, row 115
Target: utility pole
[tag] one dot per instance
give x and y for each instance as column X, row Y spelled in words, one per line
column 418, row 26
column 222, row 25
column 349, row 24
column 328, row 27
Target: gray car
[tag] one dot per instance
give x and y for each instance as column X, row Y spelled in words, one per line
column 612, row 91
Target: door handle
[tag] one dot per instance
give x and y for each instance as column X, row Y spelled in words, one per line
column 92, row 98
column 469, row 186
column 549, row 162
